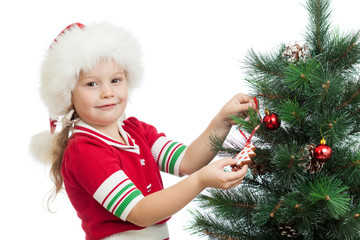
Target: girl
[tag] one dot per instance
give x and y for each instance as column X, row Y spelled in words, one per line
column 110, row 166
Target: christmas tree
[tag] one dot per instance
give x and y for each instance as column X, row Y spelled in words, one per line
column 304, row 181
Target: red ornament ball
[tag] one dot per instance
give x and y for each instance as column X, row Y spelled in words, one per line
column 322, row 152
column 271, row 120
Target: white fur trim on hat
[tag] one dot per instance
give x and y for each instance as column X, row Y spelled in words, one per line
column 79, row 49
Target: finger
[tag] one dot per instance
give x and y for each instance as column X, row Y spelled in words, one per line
column 245, row 106
column 237, row 173
column 242, row 109
column 234, row 168
column 224, row 162
column 243, row 169
column 237, row 166
column 242, row 98
column 235, row 182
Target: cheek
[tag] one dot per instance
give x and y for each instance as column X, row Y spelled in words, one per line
column 123, row 93
column 125, row 96
column 83, row 110
column 81, row 102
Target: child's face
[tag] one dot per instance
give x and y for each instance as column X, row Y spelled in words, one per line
column 100, row 95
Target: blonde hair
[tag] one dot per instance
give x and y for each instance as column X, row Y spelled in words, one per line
column 57, row 154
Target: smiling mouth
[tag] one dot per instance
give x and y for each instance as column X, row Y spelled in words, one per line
column 106, row 106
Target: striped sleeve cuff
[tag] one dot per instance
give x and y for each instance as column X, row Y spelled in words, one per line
column 118, row 194
column 168, row 155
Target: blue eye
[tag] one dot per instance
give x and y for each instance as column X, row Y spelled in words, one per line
column 116, row 80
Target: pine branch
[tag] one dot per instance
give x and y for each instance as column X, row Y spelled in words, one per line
column 212, row 234
column 348, row 169
column 233, row 198
column 355, row 190
column 342, row 52
column 332, row 192
column 354, row 132
column 334, row 126
column 264, row 65
column 356, row 163
column 357, row 93
column 319, row 42
column 344, row 55
column 291, row 112
column 215, row 228
column 345, row 228
column 266, row 183
column 218, row 145
column 301, row 76
column 204, row 224
column 266, row 211
column 271, row 96
column 319, row 25
column 266, row 70
column 249, row 123
column 272, row 214
column 298, row 211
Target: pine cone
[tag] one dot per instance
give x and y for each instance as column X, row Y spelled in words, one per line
column 289, row 231
column 315, row 166
column 257, row 169
column 305, row 156
column 295, row 52
column 308, row 163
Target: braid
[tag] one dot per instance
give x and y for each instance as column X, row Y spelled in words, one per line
column 60, row 144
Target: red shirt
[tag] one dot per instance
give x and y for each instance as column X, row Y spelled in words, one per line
column 105, row 179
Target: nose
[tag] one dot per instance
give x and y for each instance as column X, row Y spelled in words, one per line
column 106, row 91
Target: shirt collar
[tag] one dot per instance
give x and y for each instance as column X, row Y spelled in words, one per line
column 82, row 127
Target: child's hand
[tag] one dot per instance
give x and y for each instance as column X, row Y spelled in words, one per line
column 238, row 104
column 213, row 175
column 200, row 152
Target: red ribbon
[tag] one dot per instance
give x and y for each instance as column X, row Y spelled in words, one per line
column 256, row 128
column 52, row 125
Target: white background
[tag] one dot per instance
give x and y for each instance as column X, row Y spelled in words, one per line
column 193, row 53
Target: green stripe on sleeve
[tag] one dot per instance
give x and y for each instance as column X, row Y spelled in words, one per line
column 174, row 159
column 166, row 154
column 118, row 195
column 126, row 202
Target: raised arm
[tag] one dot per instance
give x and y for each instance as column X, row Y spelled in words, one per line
column 199, row 152
column 162, row 204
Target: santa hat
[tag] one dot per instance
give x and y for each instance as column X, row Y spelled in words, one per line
column 80, row 48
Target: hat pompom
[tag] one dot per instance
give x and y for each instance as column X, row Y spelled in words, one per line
column 41, row 146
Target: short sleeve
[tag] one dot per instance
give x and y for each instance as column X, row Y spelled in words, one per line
column 118, row 194
column 149, row 132
column 168, row 155
column 96, row 168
